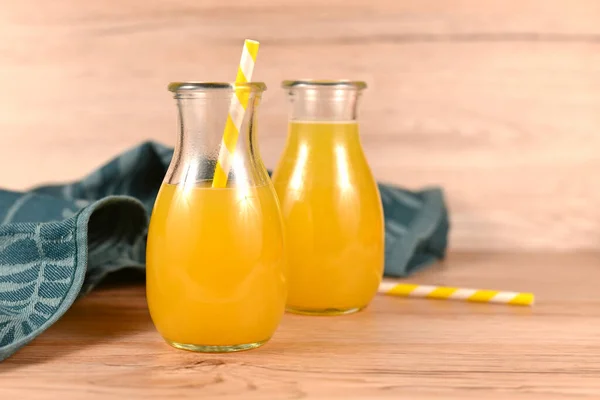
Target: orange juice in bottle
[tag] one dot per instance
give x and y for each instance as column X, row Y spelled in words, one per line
column 215, row 256
column 330, row 202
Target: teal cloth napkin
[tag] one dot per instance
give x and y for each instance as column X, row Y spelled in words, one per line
column 58, row 242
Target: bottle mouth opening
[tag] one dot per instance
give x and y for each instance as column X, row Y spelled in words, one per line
column 323, row 83
column 183, row 87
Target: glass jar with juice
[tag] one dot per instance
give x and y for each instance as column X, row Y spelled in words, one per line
column 215, row 256
column 330, row 202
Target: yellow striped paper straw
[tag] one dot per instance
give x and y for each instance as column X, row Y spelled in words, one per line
column 453, row 293
column 237, row 109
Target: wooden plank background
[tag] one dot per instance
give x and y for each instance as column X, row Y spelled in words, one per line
column 497, row 101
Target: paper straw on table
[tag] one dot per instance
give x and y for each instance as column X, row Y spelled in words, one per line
column 453, row 293
column 237, row 109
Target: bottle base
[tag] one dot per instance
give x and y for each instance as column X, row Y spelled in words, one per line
column 199, row 348
column 324, row 311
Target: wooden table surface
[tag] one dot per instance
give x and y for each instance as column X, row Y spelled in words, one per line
column 106, row 346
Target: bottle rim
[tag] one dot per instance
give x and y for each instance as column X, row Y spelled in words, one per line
column 178, row 87
column 324, row 83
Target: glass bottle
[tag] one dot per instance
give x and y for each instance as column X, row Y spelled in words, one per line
column 215, row 256
column 330, row 202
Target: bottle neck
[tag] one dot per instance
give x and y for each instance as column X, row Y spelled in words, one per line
column 201, row 123
column 204, row 119
column 324, row 104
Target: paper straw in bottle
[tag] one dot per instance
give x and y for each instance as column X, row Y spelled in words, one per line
column 237, row 109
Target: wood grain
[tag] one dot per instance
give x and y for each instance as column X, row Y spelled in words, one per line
column 496, row 101
column 106, row 346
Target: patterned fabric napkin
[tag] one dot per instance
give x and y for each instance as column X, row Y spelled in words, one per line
column 57, row 242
